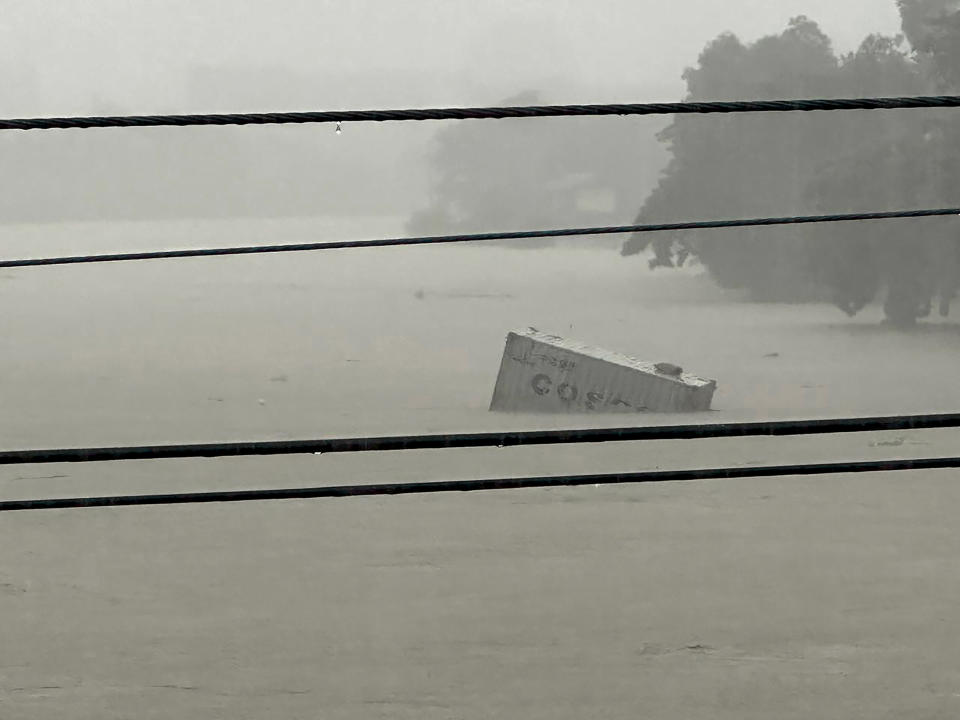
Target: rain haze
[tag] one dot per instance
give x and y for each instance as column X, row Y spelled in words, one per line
column 787, row 597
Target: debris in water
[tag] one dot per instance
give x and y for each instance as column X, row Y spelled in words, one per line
column 888, row 443
column 546, row 373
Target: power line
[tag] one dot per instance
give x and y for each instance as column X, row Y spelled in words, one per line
column 478, row 440
column 481, row 113
column 479, row 237
column 423, row 488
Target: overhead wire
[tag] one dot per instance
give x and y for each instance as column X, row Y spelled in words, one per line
column 477, row 237
column 482, row 113
column 527, row 438
column 450, row 486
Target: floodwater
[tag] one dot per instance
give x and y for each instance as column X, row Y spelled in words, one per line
column 788, row 597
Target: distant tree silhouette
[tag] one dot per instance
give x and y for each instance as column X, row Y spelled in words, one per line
column 544, row 173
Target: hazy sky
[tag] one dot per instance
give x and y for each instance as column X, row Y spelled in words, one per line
column 66, row 57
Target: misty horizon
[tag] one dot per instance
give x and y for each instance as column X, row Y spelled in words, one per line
column 787, row 577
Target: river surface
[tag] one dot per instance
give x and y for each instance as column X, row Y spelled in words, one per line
column 787, row 597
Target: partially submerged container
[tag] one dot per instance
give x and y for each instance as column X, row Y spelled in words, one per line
column 546, row 373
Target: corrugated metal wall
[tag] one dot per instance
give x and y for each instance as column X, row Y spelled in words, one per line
column 537, row 376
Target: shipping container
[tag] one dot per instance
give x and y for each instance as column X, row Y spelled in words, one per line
column 547, row 373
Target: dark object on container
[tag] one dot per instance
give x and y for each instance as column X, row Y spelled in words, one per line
column 669, row 369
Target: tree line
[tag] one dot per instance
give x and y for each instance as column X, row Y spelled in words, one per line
column 821, row 163
column 590, row 171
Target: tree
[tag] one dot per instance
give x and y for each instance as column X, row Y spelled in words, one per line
column 834, row 163
column 747, row 165
column 545, row 173
column 933, row 29
column 913, row 164
column 896, row 165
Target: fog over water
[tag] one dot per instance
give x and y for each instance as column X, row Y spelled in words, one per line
column 785, row 597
